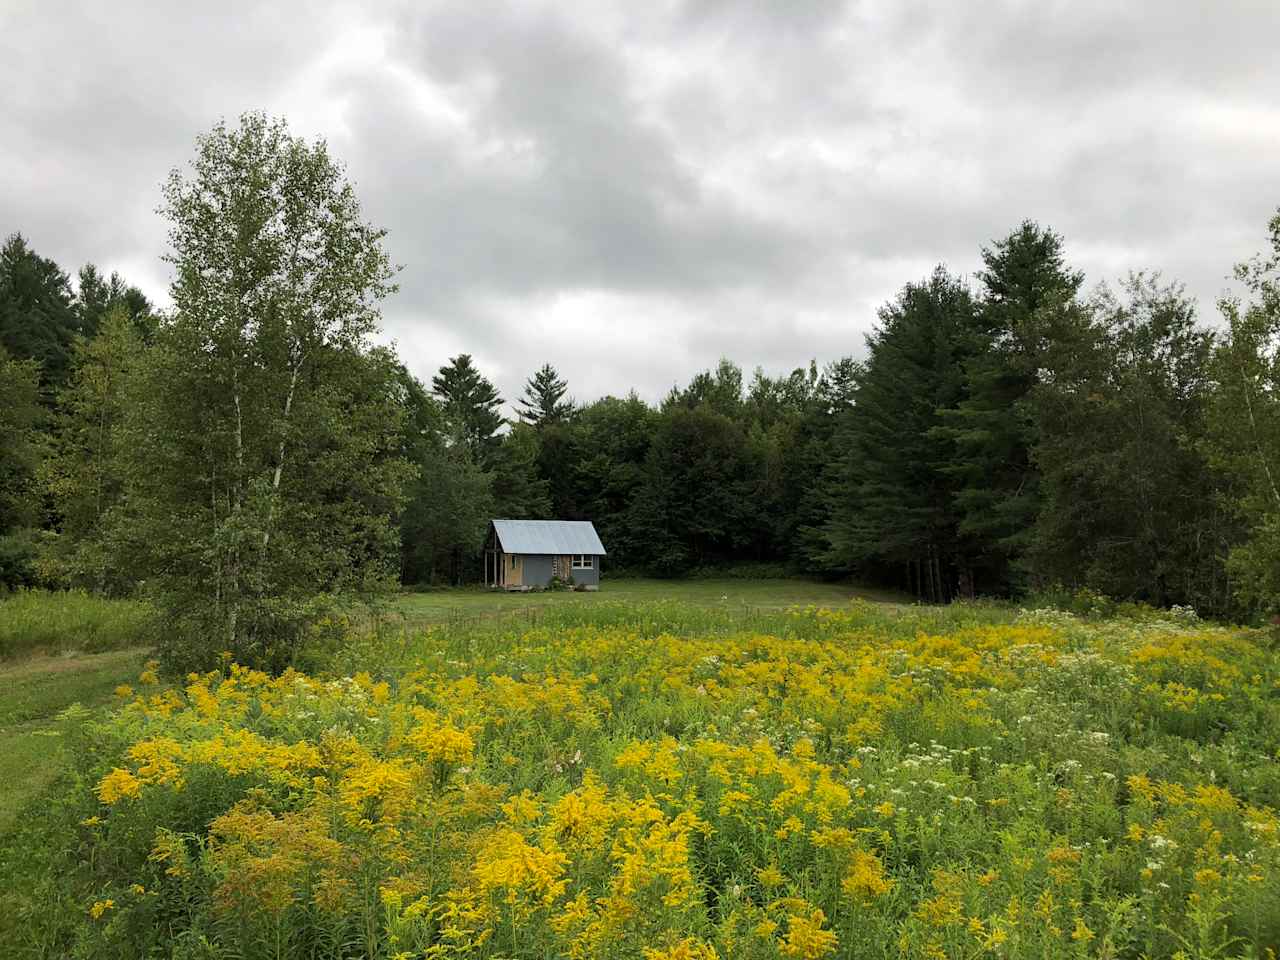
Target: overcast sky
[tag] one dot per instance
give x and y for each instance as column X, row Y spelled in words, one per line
column 632, row 191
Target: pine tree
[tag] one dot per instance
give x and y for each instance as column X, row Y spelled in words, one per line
column 1027, row 319
column 543, row 403
column 892, row 496
column 37, row 312
column 471, row 404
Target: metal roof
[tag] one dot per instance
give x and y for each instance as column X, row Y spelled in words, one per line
column 548, row 536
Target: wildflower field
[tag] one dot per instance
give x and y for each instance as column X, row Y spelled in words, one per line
column 653, row 781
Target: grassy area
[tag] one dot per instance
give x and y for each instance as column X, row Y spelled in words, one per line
column 52, row 622
column 446, row 605
column 32, row 693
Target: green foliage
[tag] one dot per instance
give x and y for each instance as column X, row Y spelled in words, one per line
column 471, row 408
column 1129, row 501
column 543, row 403
column 96, row 298
column 85, row 472
column 1028, row 320
column 21, row 448
column 449, row 503
column 262, row 429
column 915, row 781
column 695, row 504
column 893, row 499
column 1244, row 416
column 37, row 310
column 519, row 491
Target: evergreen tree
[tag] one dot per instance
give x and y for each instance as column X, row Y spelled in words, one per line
column 21, row 449
column 543, row 403
column 893, row 497
column 449, row 502
column 37, row 312
column 1027, row 319
column 471, row 404
column 810, row 473
column 96, row 297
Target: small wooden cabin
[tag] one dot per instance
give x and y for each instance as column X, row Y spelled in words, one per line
column 523, row 554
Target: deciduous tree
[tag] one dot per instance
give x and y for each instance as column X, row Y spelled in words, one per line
column 263, row 430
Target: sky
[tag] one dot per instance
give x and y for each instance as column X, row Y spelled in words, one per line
column 631, row 191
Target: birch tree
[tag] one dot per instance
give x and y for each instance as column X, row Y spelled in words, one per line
column 264, row 427
column 1245, row 424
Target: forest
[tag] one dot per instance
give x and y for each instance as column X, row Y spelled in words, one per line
column 252, row 449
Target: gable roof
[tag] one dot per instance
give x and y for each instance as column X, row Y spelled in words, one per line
column 548, row 536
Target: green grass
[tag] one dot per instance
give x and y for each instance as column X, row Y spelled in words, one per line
column 32, row 693
column 52, row 622
column 449, row 605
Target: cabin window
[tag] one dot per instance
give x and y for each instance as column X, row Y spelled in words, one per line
column 582, row 561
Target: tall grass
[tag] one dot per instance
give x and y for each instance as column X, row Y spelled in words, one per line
column 52, row 622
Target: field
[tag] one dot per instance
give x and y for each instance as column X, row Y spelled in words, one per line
column 660, row 778
column 443, row 606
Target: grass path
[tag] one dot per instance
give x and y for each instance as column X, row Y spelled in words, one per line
column 33, row 693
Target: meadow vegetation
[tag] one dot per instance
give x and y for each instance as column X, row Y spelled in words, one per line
column 71, row 621
column 664, row 780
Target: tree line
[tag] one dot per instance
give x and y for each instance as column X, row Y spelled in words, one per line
column 251, row 453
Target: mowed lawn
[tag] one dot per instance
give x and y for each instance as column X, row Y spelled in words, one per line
column 445, row 605
column 32, row 694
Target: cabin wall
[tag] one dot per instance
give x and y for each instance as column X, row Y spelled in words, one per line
column 589, row 578
column 537, row 569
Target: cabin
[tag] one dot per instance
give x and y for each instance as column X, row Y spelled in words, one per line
column 524, row 554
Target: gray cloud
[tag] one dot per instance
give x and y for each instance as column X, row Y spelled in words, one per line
column 632, row 192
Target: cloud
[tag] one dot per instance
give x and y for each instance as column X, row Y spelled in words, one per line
column 632, row 192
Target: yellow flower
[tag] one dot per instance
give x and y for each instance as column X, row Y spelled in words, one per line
column 689, row 948
column 101, row 907
column 806, row 939
column 118, row 784
column 509, row 864
column 865, row 879
column 770, row 876
column 1081, row 933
